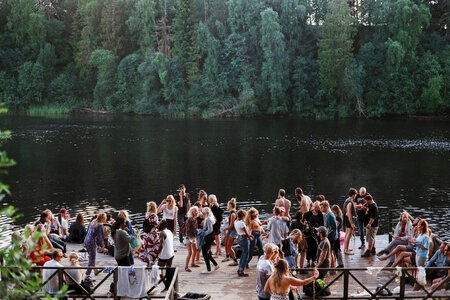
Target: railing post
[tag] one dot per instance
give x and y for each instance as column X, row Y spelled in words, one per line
column 116, row 278
column 60, row 280
column 402, row 284
column 390, row 225
column 345, row 284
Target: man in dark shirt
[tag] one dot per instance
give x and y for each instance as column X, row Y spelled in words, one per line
column 360, row 213
column 184, row 204
column 371, row 223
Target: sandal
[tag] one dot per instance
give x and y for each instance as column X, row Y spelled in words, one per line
column 195, row 266
column 187, row 270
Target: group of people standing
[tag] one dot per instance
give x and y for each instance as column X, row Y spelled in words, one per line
column 310, row 235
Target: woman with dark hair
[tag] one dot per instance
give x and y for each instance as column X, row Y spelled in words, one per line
column 218, row 214
column 280, row 282
column 77, row 230
column 122, row 242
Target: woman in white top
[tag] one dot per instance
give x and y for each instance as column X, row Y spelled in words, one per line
column 76, row 274
column 169, row 210
column 243, row 240
column 166, row 252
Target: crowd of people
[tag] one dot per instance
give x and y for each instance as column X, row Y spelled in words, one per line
column 309, row 237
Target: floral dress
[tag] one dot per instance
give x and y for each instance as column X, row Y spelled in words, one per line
column 93, row 239
column 150, row 241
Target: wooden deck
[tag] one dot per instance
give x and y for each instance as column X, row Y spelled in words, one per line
column 225, row 283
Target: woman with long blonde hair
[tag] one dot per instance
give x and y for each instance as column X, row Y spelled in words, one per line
column 254, row 225
column 191, row 237
column 280, row 282
column 209, row 238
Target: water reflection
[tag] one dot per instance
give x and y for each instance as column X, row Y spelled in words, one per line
column 123, row 162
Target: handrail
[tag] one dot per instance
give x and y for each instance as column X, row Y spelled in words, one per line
column 347, row 273
column 171, row 293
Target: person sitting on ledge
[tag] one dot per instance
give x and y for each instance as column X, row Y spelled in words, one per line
column 439, row 259
column 417, row 257
column 402, row 233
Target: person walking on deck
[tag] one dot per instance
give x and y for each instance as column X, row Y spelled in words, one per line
column 208, row 239
column 349, row 215
column 94, row 239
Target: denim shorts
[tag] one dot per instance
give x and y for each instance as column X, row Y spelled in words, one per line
column 233, row 233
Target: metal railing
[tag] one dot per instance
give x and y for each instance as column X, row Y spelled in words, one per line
column 405, row 275
column 61, row 273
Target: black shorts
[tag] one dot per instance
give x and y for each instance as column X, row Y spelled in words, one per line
column 347, row 223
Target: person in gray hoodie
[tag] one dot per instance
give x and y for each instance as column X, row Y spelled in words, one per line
column 122, row 240
column 402, row 233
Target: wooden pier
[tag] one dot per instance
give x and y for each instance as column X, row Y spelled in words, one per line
column 224, row 283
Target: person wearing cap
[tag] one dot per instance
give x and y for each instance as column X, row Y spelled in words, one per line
column 371, row 223
column 323, row 251
column 183, row 203
column 63, row 220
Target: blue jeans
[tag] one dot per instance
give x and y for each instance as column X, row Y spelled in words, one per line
column 256, row 241
column 360, row 222
column 243, row 242
column 181, row 218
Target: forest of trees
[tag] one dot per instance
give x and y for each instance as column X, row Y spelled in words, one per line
column 183, row 58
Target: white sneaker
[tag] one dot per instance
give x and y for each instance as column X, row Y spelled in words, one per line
column 205, row 272
column 216, row 267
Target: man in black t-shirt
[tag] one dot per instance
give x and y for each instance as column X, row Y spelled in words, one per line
column 360, row 213
column 371, row 223
column 184, row 204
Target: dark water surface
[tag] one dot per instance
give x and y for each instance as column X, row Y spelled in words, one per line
column 123, row 162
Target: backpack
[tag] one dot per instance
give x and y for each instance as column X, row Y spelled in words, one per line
column 319, row 286
column 146, row 226
column 286, row 247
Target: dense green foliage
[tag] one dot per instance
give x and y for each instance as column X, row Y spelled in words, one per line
column 227, row 57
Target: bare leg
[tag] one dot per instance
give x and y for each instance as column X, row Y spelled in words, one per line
column 188, row 257
column 348, row 236
column 401, row 258
column 399, row 248
column 218, row 250
column 302, row 258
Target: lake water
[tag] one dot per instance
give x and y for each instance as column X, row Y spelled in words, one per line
column 124, row 161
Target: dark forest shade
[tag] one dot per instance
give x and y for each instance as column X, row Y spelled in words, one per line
column 209, row 58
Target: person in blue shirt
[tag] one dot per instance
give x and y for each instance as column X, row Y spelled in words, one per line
column 331, row 225
column 439, row 259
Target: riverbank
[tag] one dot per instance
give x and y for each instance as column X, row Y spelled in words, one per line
column 62, row 109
